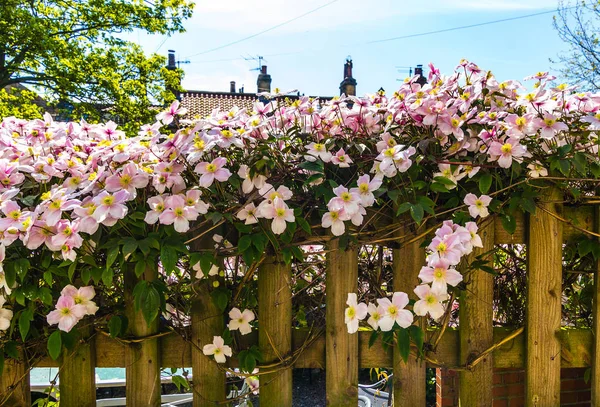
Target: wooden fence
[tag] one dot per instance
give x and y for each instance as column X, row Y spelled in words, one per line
column 475, row 349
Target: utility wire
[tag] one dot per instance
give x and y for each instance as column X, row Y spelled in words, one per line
column 264, row 31
column 464, row 26
column 403, row 36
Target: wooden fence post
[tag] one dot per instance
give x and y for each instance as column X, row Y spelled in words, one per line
column 143, row 358
column 341, row 356
column 409, row 378
column 78, row 373
column 275, row 329
column 476, row 327
column 544, row 292
column 14, row 384
column 596, row 327
column 207, row 322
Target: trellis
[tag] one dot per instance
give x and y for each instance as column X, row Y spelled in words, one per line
column 541, row 348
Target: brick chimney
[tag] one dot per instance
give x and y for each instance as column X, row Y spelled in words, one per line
column 232, row 86
column 419, row 71
column 171, row 64
column 348, row 85
column 264, row 80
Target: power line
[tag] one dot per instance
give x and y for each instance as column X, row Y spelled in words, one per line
column 400, row 37
column 463, row 27
column 262, row 32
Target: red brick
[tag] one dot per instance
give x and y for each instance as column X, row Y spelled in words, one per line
column 516, row 389
column 500, row 403
column 514, row 377
column 517, row 402
column 568, row 397
column 573, row 384
column 585, row 395
column 498, row 378
column 448, row 402
column 500, row 391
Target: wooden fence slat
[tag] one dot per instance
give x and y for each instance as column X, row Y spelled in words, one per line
column 78, row 373
column 596, row 328
column 207, row 322
column 409, row 378
column 275, row 329
column 14, row 385
column 544, row 292
column 142, row 373
column 476, row 327
column 341, row 357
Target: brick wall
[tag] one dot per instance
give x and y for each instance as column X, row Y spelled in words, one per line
column 509, row 388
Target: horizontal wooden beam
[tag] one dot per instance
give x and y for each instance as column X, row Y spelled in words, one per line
column 175, row 352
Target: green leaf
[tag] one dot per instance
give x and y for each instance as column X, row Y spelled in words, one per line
column 403, row 343
column 25, row 322
column 485, row 182
column 48, row 277
column 180, row 382
column 111, row 256
column 418, row 336
column 509, row 223
column 54, row 345
column 150, row 303
column 107, row 277
column 416, row 212
column 564, row 166
column 22, row 267
column 114, row 326
column 129, row 246
column 140, row 267
column 304, row 225
column 244, row 243
column 316, row 166
column 71, row 270
column 445, row 181
column 403, row 207
column 373, row 338
column 220, row 297
column 287, row 255
column 168, row 258
column 437, row 187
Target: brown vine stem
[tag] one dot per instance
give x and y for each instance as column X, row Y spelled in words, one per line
column 492, row 348
column 568, row 222
column 216, row 225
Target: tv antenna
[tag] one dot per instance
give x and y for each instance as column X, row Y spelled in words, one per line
column 185, row 61
column 259, row 59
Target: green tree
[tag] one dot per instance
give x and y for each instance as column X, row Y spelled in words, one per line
column 578, row 23
column 73, row 52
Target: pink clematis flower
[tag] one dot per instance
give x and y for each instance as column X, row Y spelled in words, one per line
column 365, row 189
column 240, row 320
column 218, row 349
column 335, row 220
column 478, row 206
column 505, row 152
column 344, row 200
column 67, row 313
column 129, row 179
column 211, row 171
column 376, row 313
column 429, row 302
column 248, row 214
column 167, row 116
column 110, row 205
column 395, row 312
column 66, row 234
column 178, row 214
column 341, row 159
column 550, row 126
column 440, row 274
column 82, row 296
column 354, row 312
column 15, row 218
column 280, row 213
column 40, row 233
column 157, row 207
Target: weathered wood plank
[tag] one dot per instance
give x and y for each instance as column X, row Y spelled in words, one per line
column 476, row 327
column 142, row 358
column 341, row 361
column 595, row 361
column 175, row 352
column 78, row 373
column 580, row 216
column 410, row 377
column 544, row 292
column 14, row 385
column 275, row 329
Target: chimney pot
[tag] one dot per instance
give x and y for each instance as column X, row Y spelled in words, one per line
column 264, row 80
column 232, row 86
column 263, row 69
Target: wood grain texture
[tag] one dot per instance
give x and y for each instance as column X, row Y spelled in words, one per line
column 476, row 327
column 78, row 373
column 207, row 322
column 595, row 361
column 341, row 357
column 544, row 292
column 410, row 377
column 275, row 329
column 142, row 373
column 14, row 385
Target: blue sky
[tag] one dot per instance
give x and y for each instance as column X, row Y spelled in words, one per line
column 308, row 54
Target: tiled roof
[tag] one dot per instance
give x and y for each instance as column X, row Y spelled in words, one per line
column 200, row 103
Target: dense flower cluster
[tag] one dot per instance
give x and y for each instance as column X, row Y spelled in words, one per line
column 285, row 163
